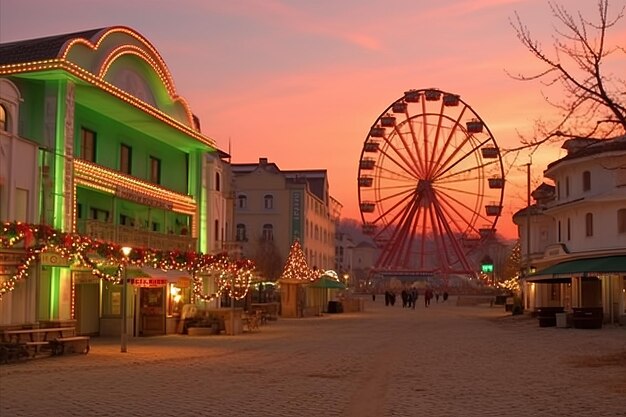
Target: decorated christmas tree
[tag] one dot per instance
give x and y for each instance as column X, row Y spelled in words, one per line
column 296, row 266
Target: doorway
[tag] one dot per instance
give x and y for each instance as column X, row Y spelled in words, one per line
column 151, row 311
column 88, row 308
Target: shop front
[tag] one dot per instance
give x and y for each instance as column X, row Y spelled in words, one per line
column 154, row 304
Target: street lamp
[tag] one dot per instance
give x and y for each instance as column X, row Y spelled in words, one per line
column 124, row 338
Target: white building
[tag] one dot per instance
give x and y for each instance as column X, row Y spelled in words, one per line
column 577, row 241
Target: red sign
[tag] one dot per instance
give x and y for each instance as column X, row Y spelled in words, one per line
column 148, row 282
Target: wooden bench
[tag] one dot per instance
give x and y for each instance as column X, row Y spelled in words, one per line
column 54, row 338
column 72, row 344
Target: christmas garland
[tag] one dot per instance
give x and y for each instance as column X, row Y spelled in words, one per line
column 234, row 277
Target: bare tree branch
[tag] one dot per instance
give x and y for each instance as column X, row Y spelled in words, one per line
column 592, row 101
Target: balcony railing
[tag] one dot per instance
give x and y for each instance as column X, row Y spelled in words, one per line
column 132, row 236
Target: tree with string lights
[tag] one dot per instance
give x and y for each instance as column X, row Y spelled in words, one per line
column 296, row 266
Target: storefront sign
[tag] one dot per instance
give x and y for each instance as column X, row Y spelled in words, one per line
column 53, row 259
column 148, row 282
column 131, row 195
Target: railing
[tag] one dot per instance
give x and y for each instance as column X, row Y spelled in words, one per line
column 135, row 237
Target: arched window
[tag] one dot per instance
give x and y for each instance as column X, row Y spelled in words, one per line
column 268, row 232
column 241, row 233
column 217, row 181
column 586, row 181
column 268, row 201
column 589, row 224
column 4, row 119
column 242, row 201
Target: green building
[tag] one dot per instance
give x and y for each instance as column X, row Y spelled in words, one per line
column 96, row 140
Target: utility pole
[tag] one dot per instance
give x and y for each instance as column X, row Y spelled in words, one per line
column 528, row 218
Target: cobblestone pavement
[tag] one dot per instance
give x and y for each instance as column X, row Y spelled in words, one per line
column 387, row 361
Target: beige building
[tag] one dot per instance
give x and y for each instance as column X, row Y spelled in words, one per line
column 275, row 207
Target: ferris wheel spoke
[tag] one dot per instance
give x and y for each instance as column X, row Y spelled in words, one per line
column 409, row 235
column 460, row 191
column 395, row 238
column 444, row 149
column 437, row 235
column 475, row 211
column 466, row 170
column 405, row 166
column 393, row 208
column 419, row 163
column 423, row 239
column 395, row 176
column 455, row 244
column 407, row 193
column 445, row 206
column 427, row 156
column 443, row 168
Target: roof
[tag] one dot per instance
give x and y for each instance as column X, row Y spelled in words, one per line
column 581, row 148
column 41, row 48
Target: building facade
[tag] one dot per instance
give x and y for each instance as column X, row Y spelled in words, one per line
column 96, row 141
column 275, row 207
column 575, row 244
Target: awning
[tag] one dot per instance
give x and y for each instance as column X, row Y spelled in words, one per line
column 563, row 271
column 326, row 282
column 546, row 279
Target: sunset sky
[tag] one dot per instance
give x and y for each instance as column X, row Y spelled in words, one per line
column 300, row 82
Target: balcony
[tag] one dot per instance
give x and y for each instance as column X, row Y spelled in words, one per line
column 134, row 237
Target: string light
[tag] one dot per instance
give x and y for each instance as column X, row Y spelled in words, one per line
column 296, row 266
column 37, row 239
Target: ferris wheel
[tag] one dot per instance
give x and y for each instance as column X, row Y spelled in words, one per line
column 431, row 184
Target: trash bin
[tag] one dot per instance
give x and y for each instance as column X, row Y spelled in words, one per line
column 561, row 320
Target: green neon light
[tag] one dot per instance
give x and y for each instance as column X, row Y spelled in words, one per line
column 59, row 161
column 487, row 268
column 55, row 291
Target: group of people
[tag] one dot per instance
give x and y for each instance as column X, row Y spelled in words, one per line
column 409, row 297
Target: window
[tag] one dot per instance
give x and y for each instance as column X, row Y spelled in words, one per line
column 586, row 181
column 559, row 231
column 88, row 145
column 268, row 232
column 125, row 159
column 589, row 224
column 621, row 221
column 217, row 181
column 4, row 121
column 242, row 201
column 98, row 214
column 268, row 201
column 155, row 170
column 241, row 233
column 566, row 186
column 569, row 229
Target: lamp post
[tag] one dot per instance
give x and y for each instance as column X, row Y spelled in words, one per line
column 124, row 337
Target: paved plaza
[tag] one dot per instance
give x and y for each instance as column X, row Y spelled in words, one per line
column 386, row 361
